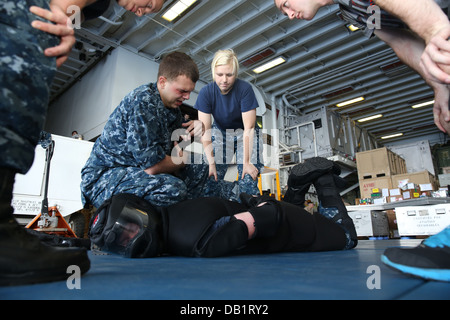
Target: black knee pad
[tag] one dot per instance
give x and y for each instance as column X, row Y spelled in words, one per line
column 267, row 219
column 224, row 240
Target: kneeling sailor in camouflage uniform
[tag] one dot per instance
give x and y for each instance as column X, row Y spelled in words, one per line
column 136, row 153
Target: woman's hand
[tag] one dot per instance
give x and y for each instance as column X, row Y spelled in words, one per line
column 212, row 171
column 250, row 169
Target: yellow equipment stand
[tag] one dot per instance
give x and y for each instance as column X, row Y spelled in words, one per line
column 274, row 172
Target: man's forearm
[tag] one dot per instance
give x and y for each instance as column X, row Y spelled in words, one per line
column 424, row 17
column 406, row 45
column 167, row 165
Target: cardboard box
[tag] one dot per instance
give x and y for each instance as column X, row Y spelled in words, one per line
column 363, row 201
column 406, row 195
column 426, row 187
column 422, row 220
column 381, row 200
column 410, row 194
column 417, row 178
column 408, row 186
column 370, row 223
column 395, row 198
column 379, row 163
column 366, row 185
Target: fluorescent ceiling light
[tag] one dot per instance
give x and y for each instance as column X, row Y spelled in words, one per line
column 177, row 9
column 270, row 65
column 370, row 118
column 352, row 28
column 345, row 103
column 422, row 104
column 392, row 136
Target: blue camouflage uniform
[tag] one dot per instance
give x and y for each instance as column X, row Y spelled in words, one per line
column 137, row 136
column 229, row 143
column 227, row 130
column 25, row 79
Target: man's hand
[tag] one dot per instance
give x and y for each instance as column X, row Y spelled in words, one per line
column 435, row 60
column 178, row 156
column 194, row 128
column 61, row 28
column 441, row 107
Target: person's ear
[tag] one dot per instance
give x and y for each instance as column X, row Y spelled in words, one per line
column 162, row 81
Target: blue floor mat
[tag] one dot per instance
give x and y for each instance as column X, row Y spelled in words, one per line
column 354, row 274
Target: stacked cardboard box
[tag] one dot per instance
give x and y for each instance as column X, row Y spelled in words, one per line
column 383, row 178
column 423, row 177
column 399, row 187
column 415, row 184
column 376, row 168
column 379, row 163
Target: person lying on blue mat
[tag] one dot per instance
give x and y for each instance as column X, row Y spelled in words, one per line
column 212, row 227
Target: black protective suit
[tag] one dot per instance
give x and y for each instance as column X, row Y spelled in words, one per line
column 206, row 227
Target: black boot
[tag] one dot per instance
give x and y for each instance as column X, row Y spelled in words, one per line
column 311, row 169
column 296, row 195
column 23, row 258
column 332, row 206
column 303, row 174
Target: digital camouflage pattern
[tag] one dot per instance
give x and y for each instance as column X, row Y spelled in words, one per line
column 25, row 78
column 138, row 135
column 229, row 143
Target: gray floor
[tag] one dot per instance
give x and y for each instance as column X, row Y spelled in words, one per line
column 355, row 274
